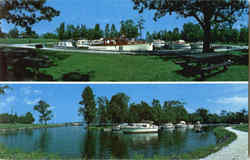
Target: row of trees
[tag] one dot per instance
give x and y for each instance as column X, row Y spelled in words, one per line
column 128, row 28
column 42, row 108
column 193, row 32
column 118, row 110
column 14, row 118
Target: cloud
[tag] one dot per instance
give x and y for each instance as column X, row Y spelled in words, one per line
column 29, row 91
column 10, row 99
column 233, row 101
column 32, row 101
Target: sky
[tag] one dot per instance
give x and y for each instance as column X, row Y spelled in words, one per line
column 64, row 98
column 106, row 11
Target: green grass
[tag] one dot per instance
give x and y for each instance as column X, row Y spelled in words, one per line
column 18, row 126
column 25, row 40
column 129, row 68
column 223, row 138
column 241, row 127
column 18, row 154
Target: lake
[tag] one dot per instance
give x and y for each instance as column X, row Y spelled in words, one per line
column 77, row 142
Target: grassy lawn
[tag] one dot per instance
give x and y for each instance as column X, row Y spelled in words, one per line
column 242, row 127
column 107, row 67
column 25, row 40
column 223, row 138
column 19, row 155
column 17, row 126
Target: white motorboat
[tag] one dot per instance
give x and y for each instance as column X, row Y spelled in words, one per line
column 82, row 43
column 190, row 126
column 198, row 124
column 182, row 124
column 140, row 128
column 167, row 126
column 181, row 44
column 65, row 44
column 158, row 43
column 121, row 45
column 197, row 45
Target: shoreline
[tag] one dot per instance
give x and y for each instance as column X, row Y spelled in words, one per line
column 236, row 150
column 200, row 153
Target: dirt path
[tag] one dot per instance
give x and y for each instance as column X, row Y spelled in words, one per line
column 237, row 150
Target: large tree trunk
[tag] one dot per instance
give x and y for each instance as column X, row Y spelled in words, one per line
column 207, row 39
column 3, row 67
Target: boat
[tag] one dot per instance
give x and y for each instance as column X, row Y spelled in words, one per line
column 82, row 43
column 182, row 124
column 121, row 45
column 198, row 124
column 197, row 45
column 190, row 126
column 159, row 43
column 167, row 126
column 140, row 128
column 65, row 44
column 180, row 44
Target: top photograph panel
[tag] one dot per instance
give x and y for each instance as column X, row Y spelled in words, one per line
column 124, row 40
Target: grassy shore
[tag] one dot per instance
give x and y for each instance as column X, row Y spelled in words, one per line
column 6, row 127
column 108, row 67
column 18, row 154
column 25, row 40
column 242, row 127
column 223, row 138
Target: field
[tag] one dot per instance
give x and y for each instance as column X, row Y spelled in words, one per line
column 25, row 41
column 108, row 67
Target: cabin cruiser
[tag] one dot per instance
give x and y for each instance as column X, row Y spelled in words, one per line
column 190, row 126
column 158, row 43
column 140, row 128
column 182, row 124
column 198, row 124
column 82, row 43
column 121, row 45
column 65, row 44
column 197, row 45
column 180, row 44
column 167, row 126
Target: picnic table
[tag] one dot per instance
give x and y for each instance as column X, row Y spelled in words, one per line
column 204, row 62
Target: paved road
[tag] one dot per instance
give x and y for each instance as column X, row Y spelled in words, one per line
column 237, row 150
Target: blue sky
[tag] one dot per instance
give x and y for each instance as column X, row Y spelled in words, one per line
column 106, row 11
column 64, row 98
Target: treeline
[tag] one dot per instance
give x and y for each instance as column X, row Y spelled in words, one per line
column 118, row 110
column 128, row 28
column 28, row 118
column 193, row 32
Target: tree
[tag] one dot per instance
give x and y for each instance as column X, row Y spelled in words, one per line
column 140, row 24
column 243, row 37
column 3, row 89
column 203, row 113
column 49, row 36
column 13, row 33
column 98, row 32
column 207, row 13
column 27, row 119
column 26, row 13
column 113, row 32
column 45, row 114
column 118, row 108
column 61, row 31
column 88, row 110
column 129, row 29
column 103, row 104
column 191, row 32
column 107, row 31
column 157, row 111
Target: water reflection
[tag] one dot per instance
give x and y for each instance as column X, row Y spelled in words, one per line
column 76, row 142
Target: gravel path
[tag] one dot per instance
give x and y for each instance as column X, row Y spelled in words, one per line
column 237, row 150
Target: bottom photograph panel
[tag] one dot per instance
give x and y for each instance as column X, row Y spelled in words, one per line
column 124, row 121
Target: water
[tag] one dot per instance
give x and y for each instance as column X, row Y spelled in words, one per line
column 76, row 142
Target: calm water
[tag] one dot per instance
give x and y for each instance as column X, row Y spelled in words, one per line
column 76, row 142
